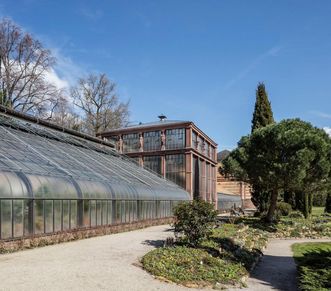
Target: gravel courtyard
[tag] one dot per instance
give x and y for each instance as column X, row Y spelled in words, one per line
column 101, row 263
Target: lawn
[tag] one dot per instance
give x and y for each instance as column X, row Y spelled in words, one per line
column 314, row 265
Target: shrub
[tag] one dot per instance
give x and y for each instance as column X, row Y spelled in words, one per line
column 195, row 220
column 284, row 208
column 295, row 214
column 328, row 204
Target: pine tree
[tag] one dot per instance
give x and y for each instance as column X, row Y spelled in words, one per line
column 262, row 115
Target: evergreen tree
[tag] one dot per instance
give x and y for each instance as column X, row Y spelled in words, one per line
column 262, row 115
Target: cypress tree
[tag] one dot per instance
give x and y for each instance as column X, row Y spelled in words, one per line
column 262, row 115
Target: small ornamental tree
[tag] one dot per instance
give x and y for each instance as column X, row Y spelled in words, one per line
column 194, row 219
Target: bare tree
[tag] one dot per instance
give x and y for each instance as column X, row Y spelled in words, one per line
column 65, row 116
column 95, row 96
column 24, row 64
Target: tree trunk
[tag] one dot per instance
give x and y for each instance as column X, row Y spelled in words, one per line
column 272, row 207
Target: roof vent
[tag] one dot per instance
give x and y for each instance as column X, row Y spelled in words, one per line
column 162, row 117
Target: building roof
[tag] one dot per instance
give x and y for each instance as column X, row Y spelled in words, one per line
column 156, row 124
column 39, row 161
column 150, row 124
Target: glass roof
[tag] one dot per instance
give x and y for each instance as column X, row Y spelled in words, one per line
column 41, row 162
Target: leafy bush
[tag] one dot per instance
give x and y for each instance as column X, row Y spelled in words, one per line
column 296, row 214
column 284, row 208
column 328, row 204
column 195, row 220
column 319, row 199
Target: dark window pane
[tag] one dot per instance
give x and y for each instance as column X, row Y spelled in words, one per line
column 175, row 138
column 175, row 169
column 153, row 163
column 131, row 142
column 152, row 140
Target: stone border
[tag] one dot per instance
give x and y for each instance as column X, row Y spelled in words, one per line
column 77, row 234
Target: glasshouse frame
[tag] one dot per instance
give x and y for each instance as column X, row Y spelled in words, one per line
column 55, row 180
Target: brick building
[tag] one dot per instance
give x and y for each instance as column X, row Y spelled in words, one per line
column 176, row 150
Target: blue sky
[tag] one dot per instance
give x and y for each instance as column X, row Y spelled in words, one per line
column 194, row 60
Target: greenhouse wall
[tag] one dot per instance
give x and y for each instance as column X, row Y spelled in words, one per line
column 54, row 180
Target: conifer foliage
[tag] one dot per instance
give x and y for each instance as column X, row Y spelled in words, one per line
column 262, row 115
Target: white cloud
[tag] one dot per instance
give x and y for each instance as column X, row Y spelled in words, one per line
column 52, row 77
column 321, row 114
column 91, row 14
column 270, row 53
column 327, row 130
column 66, row 69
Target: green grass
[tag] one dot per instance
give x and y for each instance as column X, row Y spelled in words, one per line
column 223, row 259
column 317, row 211
column 314, row 265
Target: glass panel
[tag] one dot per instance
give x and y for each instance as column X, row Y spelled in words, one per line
column 6, row 214
column 57, row 215
column 66, row 214
column 48, row 216
column 94, row 189
column 110, row 212
column 12, row 186
column 175, row 138
column 175, row 169
column 123, row 211
column 99, row 214
column 93, row 213
column 127, row 212
column 39, row 216
column 18, row 218
column 52, row 187
column 73, row 214
column 153, row 163
column 152, row 140
column 194, row 140
column 28, row 218
column 131, row 142
column 118, row 211
column 104, row 213
column 87, row 217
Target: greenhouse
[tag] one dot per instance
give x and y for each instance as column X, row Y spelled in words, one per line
column 53, row 179
column 226, row 201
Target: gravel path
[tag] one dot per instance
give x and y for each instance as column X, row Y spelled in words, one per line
column 101, row 263
column 277, row 269
column 108, row 263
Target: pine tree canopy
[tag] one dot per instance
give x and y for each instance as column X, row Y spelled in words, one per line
column 262, row 115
